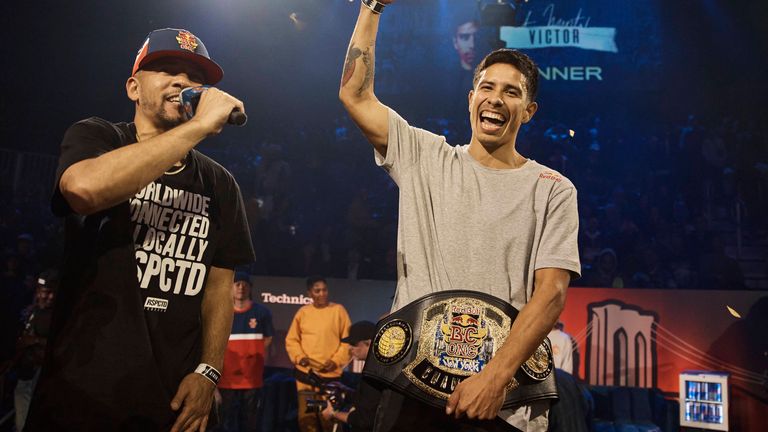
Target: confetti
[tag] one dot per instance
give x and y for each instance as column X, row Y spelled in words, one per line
column 733, row 312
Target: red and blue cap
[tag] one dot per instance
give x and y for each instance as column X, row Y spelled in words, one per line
column 180, row 43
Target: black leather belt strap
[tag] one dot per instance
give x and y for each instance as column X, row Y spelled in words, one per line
column 426, row 348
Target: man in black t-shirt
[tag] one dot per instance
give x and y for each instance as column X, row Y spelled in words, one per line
column 154, row 230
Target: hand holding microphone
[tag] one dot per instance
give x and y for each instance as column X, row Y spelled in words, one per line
column 210, row 103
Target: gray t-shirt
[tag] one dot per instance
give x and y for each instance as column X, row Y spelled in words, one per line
column 463, row 225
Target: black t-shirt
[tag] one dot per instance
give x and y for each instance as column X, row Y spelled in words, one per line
column 37, row 322
column 127, row 321
column 366, row 401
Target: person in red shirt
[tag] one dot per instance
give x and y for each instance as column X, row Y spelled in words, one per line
column 242, row 376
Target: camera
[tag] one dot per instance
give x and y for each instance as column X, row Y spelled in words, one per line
column 335, row 392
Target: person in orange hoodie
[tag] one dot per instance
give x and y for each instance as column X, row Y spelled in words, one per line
column 314, row 343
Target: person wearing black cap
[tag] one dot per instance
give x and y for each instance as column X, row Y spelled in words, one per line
column 154, row 230
column 31, row 343
column 360, row 416
column 243, row 374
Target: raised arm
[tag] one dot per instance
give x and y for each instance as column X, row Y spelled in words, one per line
column 356, row 90
column 98, row 183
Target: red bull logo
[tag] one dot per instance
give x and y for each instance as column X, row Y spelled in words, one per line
column 463, row 333
column 459, row 337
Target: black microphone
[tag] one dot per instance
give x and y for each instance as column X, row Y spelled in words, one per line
column 190, row 97
column 237, row 118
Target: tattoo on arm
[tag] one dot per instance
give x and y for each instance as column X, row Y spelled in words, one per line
column 368, row 79
column 349, row 64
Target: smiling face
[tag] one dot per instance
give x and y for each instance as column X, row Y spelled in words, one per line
column 156, row 87
column 498, row 105
column 319, row 293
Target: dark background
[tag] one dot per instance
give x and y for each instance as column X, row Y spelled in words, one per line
column 669, row 150
column 64, row 61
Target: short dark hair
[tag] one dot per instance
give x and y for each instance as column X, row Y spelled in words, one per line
column 312, row 280
column 520, row 61
column 458, row 22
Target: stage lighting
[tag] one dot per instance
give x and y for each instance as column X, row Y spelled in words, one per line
column 298, row 24
column 497, row 14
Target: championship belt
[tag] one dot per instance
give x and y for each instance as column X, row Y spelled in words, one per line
column 425, row 349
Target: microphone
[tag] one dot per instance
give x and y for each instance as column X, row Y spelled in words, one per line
column 190, row 97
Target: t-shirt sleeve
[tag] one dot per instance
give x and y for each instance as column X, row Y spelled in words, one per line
column 558, row 247
column 405, row 146
column 83, row 140
column 235, row 247
column 268, row 330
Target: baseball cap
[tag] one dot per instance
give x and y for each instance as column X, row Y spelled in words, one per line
column 360, row 331
column 49, row 279
column 242, row 276
column 180, row 43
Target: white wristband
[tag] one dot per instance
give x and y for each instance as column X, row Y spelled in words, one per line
column 209, row 372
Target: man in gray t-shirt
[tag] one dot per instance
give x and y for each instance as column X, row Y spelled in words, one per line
column 475, row 217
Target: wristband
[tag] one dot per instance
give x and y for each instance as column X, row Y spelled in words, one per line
column 374, row 6
column 209, row 372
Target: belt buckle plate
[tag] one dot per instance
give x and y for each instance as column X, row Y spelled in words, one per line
column 458, row 338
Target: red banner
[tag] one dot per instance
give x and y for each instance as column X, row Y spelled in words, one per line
column 646, row 338
column 628, row 337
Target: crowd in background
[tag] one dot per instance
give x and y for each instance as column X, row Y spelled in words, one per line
column 668, row 207
column 659, row 208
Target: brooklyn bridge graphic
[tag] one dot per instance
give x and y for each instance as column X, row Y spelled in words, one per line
column 621, row 345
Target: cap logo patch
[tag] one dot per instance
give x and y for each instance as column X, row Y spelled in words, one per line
column 187, row 41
